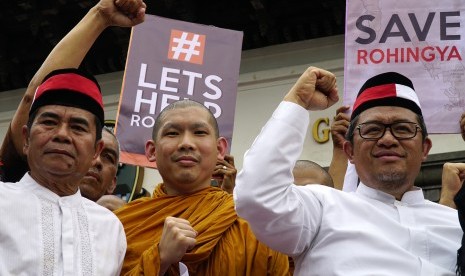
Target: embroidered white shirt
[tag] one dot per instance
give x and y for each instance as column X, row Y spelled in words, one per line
column 44, row 234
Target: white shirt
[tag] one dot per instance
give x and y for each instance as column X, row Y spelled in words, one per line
column 330, row 232
column 44, row 234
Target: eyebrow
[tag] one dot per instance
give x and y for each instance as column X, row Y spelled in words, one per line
column 49, row 115
column 76, row 120
column 178, row 126
column 170, row 125
column 199, row 125
column 393, row 122
column 111, row 151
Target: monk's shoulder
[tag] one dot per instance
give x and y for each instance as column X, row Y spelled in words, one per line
column 138, row 205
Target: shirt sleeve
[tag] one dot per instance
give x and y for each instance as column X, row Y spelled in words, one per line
column 122, row 249
column 277, row 210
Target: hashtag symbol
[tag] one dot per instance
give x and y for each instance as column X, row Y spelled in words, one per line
column 186, row 46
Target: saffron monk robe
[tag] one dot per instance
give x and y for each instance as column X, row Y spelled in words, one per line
column 187, row 220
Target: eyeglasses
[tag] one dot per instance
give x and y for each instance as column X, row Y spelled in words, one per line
column 400, row 130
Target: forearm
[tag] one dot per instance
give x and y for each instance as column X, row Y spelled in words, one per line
column 452, row 179
column 68, row 53
column 447, row 201
column 338, row 167
column 72, row 49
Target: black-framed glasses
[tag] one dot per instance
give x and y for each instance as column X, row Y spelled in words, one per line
column 376, row 130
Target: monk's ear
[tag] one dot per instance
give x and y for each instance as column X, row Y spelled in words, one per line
column 222, row 146
column 150, row 151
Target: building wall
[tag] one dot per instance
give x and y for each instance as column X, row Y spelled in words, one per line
column 266, row 75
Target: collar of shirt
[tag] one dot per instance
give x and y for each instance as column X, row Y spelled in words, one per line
column 30, row 185
column 411, row 197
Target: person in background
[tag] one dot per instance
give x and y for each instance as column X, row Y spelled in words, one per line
column 101, row 178
column 386, row 227
column 69, row 52
column 187, row 220
column 453, row 175
column 111, row 202
column 47, row 227
column 308, row 172
column 453, row 195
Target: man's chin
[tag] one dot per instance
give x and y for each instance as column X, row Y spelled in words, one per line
column 392, row 177
column 88, row 180
column 88, row 191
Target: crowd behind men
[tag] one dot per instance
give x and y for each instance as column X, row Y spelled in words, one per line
column 187, row 220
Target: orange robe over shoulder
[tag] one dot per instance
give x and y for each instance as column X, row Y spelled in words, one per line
column 225, row 243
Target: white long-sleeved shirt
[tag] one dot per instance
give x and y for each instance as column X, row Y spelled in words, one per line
column 44, row 234
column 330, row 232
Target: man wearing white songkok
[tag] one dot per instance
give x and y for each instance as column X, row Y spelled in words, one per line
column 386, row 227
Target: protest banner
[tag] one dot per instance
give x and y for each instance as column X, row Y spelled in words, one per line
column 169, row 60
column 421, row 39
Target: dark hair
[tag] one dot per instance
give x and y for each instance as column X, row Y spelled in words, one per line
column 179, row 105
column 354, row 123
column 108, row 130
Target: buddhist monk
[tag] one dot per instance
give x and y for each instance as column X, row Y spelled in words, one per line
column 187, row 220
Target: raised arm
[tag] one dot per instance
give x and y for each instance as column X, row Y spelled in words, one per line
column 338, row 166
column 69, row 53
column 453, row 175
column 264, row 193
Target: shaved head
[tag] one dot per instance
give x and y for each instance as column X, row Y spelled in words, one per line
column 309, row 172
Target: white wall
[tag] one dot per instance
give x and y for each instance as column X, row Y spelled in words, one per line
column 266, row 74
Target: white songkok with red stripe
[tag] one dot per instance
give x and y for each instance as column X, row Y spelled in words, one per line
column 387, row 89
